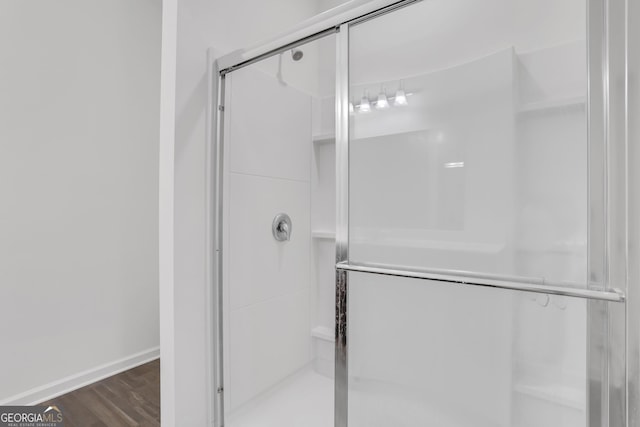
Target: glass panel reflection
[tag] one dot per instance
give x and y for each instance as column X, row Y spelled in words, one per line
column 477, row 160
column 425, row 353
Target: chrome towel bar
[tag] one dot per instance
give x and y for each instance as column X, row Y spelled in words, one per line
column 468, row 278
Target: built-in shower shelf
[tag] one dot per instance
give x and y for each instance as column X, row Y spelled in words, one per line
column 324, row 138
column 554, row 104
column 572, row 397
column 323, row 234
column 323, row 333
column 560, row 247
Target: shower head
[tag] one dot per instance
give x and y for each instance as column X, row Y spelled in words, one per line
column 297, row 54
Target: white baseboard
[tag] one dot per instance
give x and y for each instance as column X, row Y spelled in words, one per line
column 76, row 381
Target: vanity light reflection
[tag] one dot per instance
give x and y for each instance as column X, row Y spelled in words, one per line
column 383, row 102
column 400, row 99
column 365, row 105
column 454, row 165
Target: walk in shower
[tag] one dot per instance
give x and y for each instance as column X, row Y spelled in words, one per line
column 423, row 219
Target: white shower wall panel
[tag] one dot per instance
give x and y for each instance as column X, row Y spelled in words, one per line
column 268, row 342
column 260, row 267
column 556, row 72
column 270, row 127
column 267, row 296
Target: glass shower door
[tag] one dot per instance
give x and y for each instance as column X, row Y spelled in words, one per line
column 276, row 285
column 471, row 249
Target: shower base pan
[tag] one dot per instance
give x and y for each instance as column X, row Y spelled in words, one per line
column 304, row 399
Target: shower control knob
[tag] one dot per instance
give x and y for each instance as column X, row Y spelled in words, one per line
column 281, row 227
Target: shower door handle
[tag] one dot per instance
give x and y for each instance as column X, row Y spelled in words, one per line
column 486, row 280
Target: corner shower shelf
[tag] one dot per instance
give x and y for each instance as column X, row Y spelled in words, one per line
column 323, row 333
column 558, row 394
column 323, row 234
column 324, row 138
column 554, row 104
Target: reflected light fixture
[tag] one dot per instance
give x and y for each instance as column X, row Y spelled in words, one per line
column 383, row 102
column 401, row 97
column 365, row 106
column 454, row 165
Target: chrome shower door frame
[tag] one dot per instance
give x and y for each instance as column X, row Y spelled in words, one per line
column 342, row 226
column 611, row 335
column 614, row 205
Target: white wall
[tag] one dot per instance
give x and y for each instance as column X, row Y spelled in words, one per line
column 79, row 105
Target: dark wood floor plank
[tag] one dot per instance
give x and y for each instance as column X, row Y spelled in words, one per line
column 119, row 403
column 102, row 411
column 73, row 410
column 131, row 398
